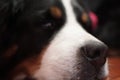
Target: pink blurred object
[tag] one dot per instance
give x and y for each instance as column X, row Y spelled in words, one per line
column 94, row 20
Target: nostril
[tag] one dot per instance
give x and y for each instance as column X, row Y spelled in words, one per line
column 93, row 54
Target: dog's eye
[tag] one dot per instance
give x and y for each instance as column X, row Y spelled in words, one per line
column 44, row 25
column 48, row 25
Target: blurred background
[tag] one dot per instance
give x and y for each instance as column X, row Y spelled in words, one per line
column 104, row 23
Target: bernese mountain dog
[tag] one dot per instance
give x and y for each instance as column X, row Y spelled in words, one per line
column 44, row 40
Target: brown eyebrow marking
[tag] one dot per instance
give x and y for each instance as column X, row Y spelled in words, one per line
column 84, row 17
column 56, row 12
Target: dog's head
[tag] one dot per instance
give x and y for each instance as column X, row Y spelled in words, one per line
column 43, row 40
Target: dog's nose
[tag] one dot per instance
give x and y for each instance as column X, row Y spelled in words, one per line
column 95, row 52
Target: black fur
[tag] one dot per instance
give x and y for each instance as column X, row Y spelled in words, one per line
column 28, row 24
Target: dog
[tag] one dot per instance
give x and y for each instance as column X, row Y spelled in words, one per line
column 44, row 40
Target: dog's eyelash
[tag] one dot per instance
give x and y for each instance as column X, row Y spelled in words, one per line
column 44, row 24
column 47, row 25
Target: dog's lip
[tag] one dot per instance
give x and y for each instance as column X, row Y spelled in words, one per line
column 105, row 78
